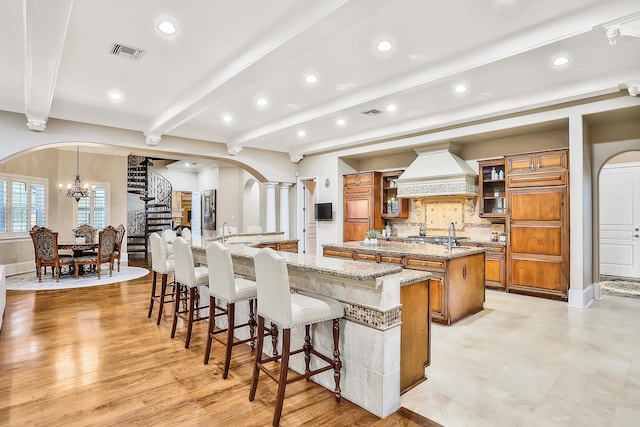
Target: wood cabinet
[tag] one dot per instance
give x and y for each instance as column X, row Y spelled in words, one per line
column 538, row 224
column 543, row 161
column 361, row 205
column 391, row 205
column 492, row 188
column 495, row 274
column 456, row 285
column 415, row 333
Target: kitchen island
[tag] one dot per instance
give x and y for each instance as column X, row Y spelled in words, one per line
column 385, row 334
column 457, row 275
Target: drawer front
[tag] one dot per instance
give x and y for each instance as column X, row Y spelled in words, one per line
column 423, row 264
column 289, row 246
column 541, row 179
column 363, row 191
column 553, row 160
column 391, row 259
column 366, row 257
column 337, row 253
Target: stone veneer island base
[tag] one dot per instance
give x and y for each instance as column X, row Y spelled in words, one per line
column 385, row 334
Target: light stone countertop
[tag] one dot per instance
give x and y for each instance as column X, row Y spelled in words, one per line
column 336, row 267
column 417, row 249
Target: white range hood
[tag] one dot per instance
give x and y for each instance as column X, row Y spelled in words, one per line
column 437, row 172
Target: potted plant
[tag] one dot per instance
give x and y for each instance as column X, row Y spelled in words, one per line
column 373, row 235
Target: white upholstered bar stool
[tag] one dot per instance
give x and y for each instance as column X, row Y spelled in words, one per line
column 224, row 285
column 186, row 234
column 163, row 265
column 169, row 236
column 188, row 278
column 289, row 310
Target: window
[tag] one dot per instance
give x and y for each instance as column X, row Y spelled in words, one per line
column 93, row 210
column 23, row 204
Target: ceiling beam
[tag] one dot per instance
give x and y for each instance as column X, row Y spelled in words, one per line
column 45, row 28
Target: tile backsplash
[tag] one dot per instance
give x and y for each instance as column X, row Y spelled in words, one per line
column 436, row 214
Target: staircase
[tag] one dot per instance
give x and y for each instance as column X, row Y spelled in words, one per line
column 155, row 191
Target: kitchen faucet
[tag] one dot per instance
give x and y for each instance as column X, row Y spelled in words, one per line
column 224, row 226
column 452, row 235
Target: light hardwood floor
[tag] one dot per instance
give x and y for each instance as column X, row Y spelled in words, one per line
column 91, row 357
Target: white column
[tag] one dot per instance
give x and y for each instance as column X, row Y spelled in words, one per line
column 271, row 207
column 284, row 208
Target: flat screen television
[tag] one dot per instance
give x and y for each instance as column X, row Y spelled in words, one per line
column 324, row 212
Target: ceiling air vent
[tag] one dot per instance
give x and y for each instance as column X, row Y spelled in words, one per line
column 372, row 112
column 128, row 52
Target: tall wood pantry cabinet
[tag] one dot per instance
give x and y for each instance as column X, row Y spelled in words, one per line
column 361, row 205
column 538, row 224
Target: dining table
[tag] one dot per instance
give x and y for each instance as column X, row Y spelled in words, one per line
column 78, row 248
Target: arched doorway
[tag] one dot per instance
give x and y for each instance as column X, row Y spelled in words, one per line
column 619, row 217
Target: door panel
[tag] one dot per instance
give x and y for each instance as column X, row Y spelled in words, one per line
column 541, row 273
column 357, row 209
column 536, row 239
column 619, row 221
column 545, row 205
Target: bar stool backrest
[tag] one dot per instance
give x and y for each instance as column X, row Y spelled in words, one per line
column 274, row 292
column 221, row 278
column 185, row 273
column 159, row 254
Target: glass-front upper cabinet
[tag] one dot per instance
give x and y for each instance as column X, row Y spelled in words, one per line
column 493, row 198
column 392, row 206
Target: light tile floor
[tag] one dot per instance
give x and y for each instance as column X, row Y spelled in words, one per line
column 526, row 361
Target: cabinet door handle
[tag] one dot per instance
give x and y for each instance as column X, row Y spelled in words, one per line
column 464, row 272
column 531, row 167
column 538, row 165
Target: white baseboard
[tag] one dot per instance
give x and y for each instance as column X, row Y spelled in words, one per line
column 581, row 298
column 20, row 267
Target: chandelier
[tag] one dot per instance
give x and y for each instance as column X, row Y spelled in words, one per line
column 76, row 189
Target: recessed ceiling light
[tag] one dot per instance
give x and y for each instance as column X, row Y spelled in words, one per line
column 301, row 133
column 391, row 108
column 262, row 102
column 167, row 27
column 384, row 46
column 460, row 88
column 559, row 61
column 311, row 78
column 227, row 118
column 115, row 96
column 341, row 122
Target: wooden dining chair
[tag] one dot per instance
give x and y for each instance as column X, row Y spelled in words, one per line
column 106, row 246
column 118, row 247
column 45, row 245
column 89, row 232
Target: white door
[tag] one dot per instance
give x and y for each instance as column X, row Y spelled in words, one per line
column 620, row 220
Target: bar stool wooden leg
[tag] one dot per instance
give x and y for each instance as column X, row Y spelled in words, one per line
column 274, row 339
column 210, row 329
column 153, row 293
column 258, row 359
column 284, row 369
column 231, row 320
column 192, row 306
column 307, row 350
column 163, row 292
column 177, row 309
column 252, row 326
column 337, row 363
